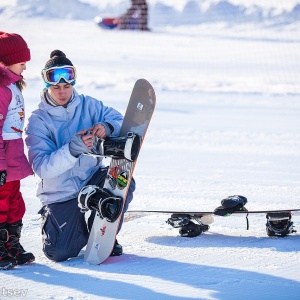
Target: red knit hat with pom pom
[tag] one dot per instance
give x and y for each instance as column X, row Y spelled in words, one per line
column 13, row 49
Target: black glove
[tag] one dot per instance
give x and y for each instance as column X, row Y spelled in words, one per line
column 2, row 177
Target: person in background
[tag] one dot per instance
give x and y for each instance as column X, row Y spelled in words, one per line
column 58, row 135
column 136, row 17
column 14, row 165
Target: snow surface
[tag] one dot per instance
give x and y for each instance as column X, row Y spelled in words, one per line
column 227, row 122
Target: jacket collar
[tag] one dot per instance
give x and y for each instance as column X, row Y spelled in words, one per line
column 7, row 77
column 59, row 111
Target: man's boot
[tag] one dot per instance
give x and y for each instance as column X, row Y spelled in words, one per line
column 117, row 250
column 14, row 248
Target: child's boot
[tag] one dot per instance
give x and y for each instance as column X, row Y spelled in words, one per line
column 6, row 262
column 14, row 247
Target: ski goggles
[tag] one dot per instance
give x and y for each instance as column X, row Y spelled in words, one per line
column 54, row 75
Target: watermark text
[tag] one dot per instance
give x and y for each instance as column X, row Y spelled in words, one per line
column 13, row 292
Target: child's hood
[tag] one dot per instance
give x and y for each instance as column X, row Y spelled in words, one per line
column 7, row 77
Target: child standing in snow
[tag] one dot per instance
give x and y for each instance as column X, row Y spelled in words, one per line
column 14, row 166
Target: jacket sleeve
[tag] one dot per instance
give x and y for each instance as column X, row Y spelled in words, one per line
column 46, row 160
column 108, row 116
column 5, row 98
column 112, row 121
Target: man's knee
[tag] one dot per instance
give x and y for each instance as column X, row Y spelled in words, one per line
column 57, row 255
column 64, row 230
column 65, row 249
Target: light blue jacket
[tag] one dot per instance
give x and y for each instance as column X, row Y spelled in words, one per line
column 48, row 134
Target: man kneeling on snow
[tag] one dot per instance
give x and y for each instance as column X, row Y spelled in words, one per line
column 58, row 133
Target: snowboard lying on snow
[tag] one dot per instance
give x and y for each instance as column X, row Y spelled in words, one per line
column 193, row 223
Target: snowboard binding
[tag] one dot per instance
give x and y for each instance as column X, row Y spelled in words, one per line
column 187, row 227
column 279, row 224
column 117, row 147
column 230, row 205
column 109, row 207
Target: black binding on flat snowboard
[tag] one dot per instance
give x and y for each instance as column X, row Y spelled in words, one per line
column 279, row 224
column 187, row 227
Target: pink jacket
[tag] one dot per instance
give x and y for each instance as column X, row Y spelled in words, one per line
column 12, row 157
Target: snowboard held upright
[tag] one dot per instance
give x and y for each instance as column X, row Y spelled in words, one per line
column 108, row 202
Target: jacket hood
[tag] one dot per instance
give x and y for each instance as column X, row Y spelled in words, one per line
column 7, row 77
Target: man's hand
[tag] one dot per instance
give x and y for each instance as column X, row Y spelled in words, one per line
column 87, row 137
column 99, row 131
